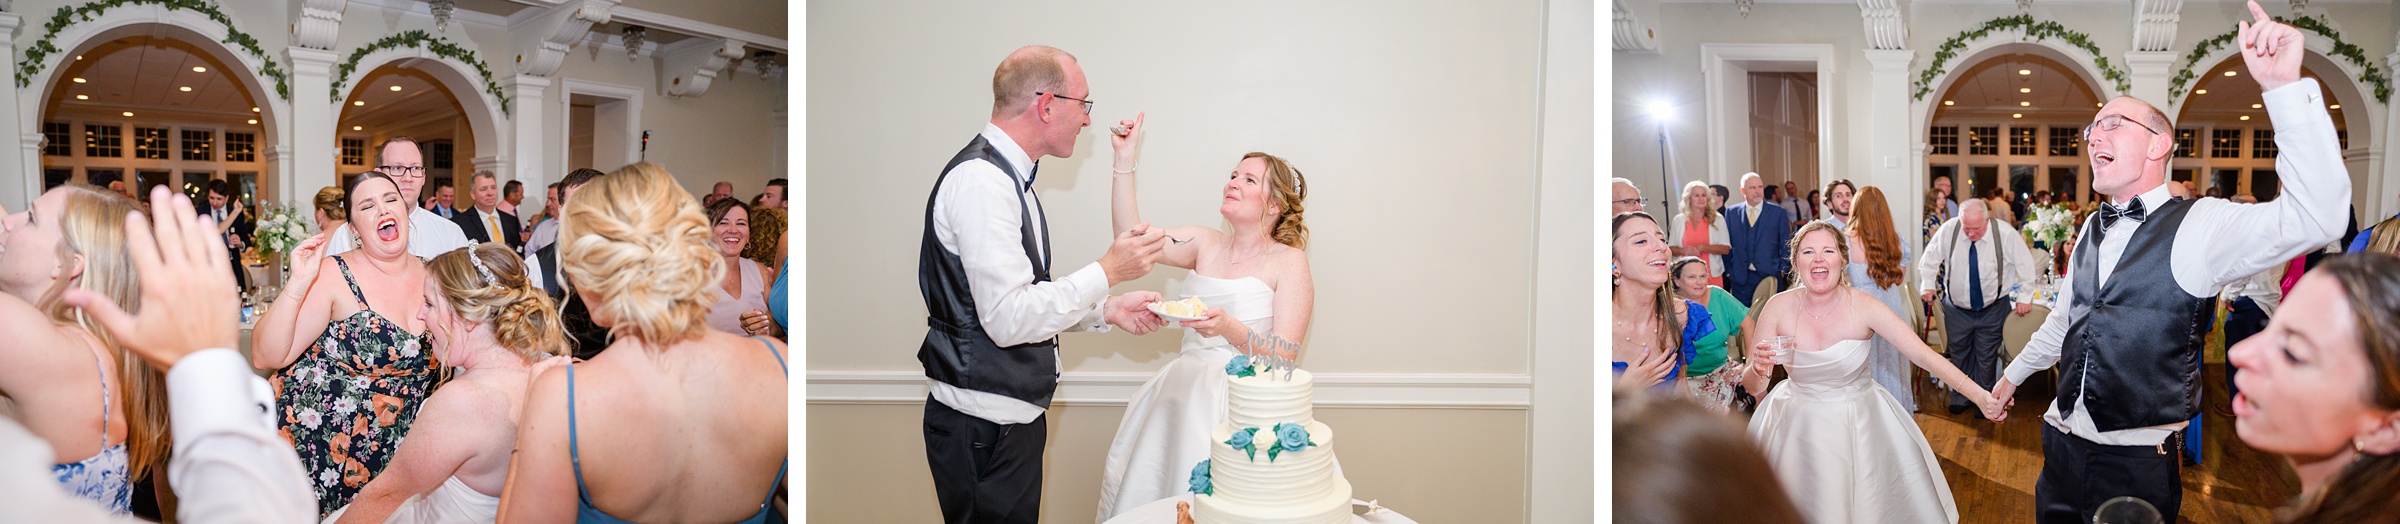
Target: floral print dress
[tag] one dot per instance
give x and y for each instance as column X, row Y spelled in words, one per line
column 346, row 403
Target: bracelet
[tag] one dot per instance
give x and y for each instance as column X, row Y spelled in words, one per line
column 1121, row 172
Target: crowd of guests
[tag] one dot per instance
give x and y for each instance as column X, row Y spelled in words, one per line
column 422, row 367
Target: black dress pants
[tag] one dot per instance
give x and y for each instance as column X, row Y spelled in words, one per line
column 2079, row 475
column 985, row 472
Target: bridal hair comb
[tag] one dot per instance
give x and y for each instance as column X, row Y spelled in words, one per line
column 486, row 271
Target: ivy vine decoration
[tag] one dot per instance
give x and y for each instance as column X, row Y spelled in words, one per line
column 2033, row 30
column 2373, row 75
column 44, row 47
column 419, row 39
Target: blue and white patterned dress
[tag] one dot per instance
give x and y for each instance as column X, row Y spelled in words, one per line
column 100, row 478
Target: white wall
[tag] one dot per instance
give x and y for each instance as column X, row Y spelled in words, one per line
column 1417, row 124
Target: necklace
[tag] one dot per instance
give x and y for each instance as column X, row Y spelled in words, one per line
column 1627, row 334
column 1239, row 260
column 1821, row 316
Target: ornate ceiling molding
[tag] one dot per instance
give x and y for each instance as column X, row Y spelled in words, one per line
column 1630, row 34
column 690, row 69
column 320, row 22
column 544, row 40
column 1885, row 27
column 2154, row 23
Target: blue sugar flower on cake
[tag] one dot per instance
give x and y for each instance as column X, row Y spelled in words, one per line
column 1238, row 366
column 1200, row 481
column 1241, row 441
column 1289, row 438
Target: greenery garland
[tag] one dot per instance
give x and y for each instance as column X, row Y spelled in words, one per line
column 2370, row 73
column 2034, row 31
column 70, row 15
column 421, row 40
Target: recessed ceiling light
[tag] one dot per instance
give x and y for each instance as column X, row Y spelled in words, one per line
column 79, row 80
column 254, row 110
column 128, row 113
column 2017, row 115
column 2200, row 92
column 78, row 57
column 2335, row 106
column 2098, row 104
column 2230, row 73
column 253, row 121
column 2024, row 104
column 1949, row 102
column 363, row 128
column 2256, row 106
column 2024, row 90
column 83, row 97
column 2022, row 72
column 395, row 88
column 2245, row 117
column 186, row 89
column 358, row 102
column 198, row 69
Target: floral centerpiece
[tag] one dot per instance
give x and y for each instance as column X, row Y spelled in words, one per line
column 279, row 229
column 2049, row 225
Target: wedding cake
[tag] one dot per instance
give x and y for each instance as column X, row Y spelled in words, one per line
column 1270, row 461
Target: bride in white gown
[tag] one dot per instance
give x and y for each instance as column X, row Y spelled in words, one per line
column 1842, row 446
column 1255, row 280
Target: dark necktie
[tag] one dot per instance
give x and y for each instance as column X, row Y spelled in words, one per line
column 1974, row 277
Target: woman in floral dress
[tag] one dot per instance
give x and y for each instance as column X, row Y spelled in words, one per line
column 352, row 368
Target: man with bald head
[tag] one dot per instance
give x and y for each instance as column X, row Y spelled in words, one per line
column 983, row 267
column 1623, row 197
column 1970, row 263
column 2136, row 297
column 1761, row 234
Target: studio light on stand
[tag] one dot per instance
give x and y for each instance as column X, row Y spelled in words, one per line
column 1663, row 112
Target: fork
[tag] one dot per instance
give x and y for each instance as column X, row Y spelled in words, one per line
column 1176, row 241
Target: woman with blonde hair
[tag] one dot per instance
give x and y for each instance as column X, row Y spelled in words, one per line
column 481, row 314
column 350, row 365
column 1877, row 264
column 1698, row 231
column 681, row 420
column 329, row 209
column 1255, row 278
column 102, row 410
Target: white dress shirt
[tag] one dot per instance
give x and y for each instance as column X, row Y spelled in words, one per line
column 1998, row 240
column 229, row 464
column 977, row 216
column 544, row 234
column 2220, row 242
column 429, row 235
column 2264, row 289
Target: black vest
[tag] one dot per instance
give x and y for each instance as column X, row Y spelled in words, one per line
column 2132, row 349
column 956, row 351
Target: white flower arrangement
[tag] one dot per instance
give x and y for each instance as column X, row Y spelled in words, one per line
column 279, row 229
column 2049, row 225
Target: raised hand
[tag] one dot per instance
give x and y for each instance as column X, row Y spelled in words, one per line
column 187, row 286
column 2272, row 50
column 1126, row 145
column 307, row 258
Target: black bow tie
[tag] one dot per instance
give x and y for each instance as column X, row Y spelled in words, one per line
column 2109, row 213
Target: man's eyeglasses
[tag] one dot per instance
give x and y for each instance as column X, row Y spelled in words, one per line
column 1087, row 104
column 407, row 171
column 2111, row 123
column 1628, row 202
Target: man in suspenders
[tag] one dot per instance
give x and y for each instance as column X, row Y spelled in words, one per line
column 1970, row 263
column 994, row 311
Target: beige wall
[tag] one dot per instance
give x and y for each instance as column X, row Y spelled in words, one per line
column 866, row 463
column 1431, row 151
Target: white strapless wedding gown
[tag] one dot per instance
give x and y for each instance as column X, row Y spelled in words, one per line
column 1166, row 427
column 1844, row 448
column 452, row 503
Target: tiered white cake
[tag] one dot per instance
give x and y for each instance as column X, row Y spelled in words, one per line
column 1257, row 486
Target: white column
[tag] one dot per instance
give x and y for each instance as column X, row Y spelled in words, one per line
column 2151, row 71
column 28, row 156
column 2379, row 190
column 527, row 146
column 1888, row 125
column 308, row 163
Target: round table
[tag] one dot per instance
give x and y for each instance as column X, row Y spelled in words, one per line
column 1163, row 512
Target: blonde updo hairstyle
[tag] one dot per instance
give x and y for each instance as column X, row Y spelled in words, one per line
column 638, row 241
column 331, row 200
column 92, row 224
column 1288, row 187
column 522, row 318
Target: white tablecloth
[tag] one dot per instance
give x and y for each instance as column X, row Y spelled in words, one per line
column 1163, row 512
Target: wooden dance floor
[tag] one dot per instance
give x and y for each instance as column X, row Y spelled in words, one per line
column 1992, row 467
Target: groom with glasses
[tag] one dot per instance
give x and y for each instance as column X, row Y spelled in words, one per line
column 994, row 310
column 2144, row 277
column 429, row 235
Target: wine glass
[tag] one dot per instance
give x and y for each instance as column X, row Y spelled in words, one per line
column 2126, row 510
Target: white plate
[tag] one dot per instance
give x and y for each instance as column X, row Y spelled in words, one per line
column 1162, row 313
